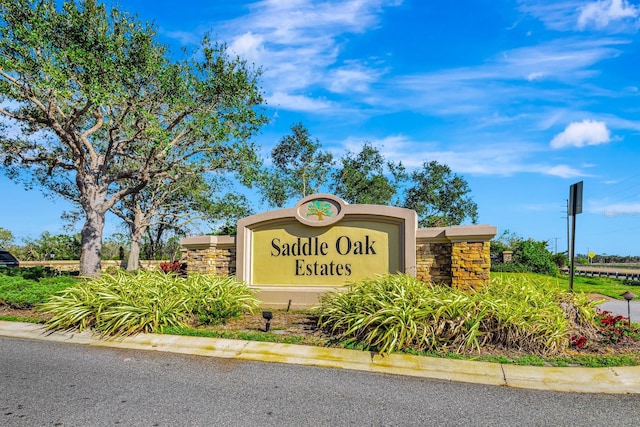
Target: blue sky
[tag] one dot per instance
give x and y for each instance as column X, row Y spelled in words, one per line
column 522, row 98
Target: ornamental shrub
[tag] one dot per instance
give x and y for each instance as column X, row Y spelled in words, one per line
column 398, row 312
column 126, row 303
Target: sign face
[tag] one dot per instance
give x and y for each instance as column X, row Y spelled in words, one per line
column 325, row 242
column 575, row 199
column 297, row 255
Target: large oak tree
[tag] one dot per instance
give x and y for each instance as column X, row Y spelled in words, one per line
column 102, row 110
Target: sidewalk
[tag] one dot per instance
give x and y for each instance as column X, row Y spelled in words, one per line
column 619, row 380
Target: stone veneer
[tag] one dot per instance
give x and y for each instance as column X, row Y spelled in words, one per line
column 210, row 254
column 456, row 256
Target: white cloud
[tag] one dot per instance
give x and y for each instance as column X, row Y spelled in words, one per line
column 537, row 75
column 353, row 78
column 393, row 147
column 249, row 46
column 486, row 159
column 616, row 209
column 500, row 82
column 569, row 15
column 579, row 134
column 298, row 42
column 556, row 15
column 298, row 103
column 604, row 12
column 562, row 171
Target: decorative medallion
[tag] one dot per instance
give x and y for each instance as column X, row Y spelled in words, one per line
column 319, row 210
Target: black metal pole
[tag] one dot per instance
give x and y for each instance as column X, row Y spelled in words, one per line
column 568, row 232
column 572, row 254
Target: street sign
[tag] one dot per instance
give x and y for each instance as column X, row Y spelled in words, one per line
column 575, row 199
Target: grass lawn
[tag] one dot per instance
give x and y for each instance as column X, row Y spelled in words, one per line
column 609, row 287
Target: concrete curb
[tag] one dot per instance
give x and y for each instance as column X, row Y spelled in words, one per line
column 617, row 380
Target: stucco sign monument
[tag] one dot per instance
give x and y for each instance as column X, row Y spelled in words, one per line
column 323, row 241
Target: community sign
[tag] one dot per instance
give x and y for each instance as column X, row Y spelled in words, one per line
column 324, row 241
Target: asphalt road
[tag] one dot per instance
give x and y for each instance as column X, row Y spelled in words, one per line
column 623, row 308
column 54, row 384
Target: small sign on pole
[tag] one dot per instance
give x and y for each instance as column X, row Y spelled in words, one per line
column 575, row 199
column 575, row 208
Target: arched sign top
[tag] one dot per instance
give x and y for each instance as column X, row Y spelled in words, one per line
column 320, row 210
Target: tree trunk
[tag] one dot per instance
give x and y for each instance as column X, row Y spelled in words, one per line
column 91, row 244
column 133, row 262
column 137, row 230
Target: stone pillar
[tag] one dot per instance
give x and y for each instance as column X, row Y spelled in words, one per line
column 210, row 254
column 507, row 256
column 433, row 261
column 457, row 256
column 470, row 265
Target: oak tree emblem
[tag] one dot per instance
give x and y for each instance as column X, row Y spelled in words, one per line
column 319, row 208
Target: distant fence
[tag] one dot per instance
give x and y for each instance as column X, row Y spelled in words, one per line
column 606, row 272
column 72, row 265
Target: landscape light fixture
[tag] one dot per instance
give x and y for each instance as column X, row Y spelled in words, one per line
column 267, row 315
column 628, row 296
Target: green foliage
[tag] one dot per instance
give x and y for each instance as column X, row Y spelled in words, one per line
column 397, row 312
column 439, row 197
column 300, row 167
column 225, row 212
column 506, row 241
column 631, row 282
column 509, row 267
column 528, row 256
column 213, row 299
column 28, row 287
column 35, row 273
column 6, row 239
column 560, row 260
column 124, row 303
column 114, row 247
column 61, row 246
column 364, row 177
